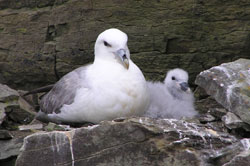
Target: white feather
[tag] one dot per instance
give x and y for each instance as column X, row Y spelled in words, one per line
column 168, row 100
column 112, row 90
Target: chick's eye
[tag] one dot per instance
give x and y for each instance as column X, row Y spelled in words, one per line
column 106, row 44
column 173, row 78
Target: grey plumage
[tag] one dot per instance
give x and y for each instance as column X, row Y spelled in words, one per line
column 173, row 98
column 63, row 92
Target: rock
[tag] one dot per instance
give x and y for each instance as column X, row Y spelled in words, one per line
column 26, row 106
column 30, row 102
column 8, row 162
column 242, row 159
column 52, row 126
column 206, row 118
column 5, row 135
column 18, row 115
column 31, row 127
column 231, row 121
column 14, row 109
column 235, row 154
column 8, row 97
column 7, row 94
column 206, row 104
column 200, row 93
column 2, row 113
column 42, row 40
column 229, row 85
column 217, row 112
column 134, row 141
column 10, row 148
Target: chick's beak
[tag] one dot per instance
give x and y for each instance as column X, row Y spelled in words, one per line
column 184, row 86
column 121, row 53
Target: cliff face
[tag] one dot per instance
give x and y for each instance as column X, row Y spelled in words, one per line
column 42, row 40
column 219, row 135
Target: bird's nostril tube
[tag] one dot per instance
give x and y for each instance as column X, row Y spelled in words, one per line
column 124, row 56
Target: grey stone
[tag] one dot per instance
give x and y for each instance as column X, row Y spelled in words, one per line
column 232, row 155
column 2, row 113
column 16, row 114
column 206, row 104
column 231, row 121
column 26, row 106
column 14, row 108
column 52, row 126
column 7, row 94
column 217, row 112
column 8, row 97
column 31, row 127
column 200, row 93
column 229, row 85
column 10, row 148
column 5, row 135
column 206, row 118
column 135, row 141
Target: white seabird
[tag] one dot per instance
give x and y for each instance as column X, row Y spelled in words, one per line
column 173, row 98
column 113, row 86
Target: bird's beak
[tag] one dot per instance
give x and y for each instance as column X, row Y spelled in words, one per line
column 123, row 56
column 185, row 87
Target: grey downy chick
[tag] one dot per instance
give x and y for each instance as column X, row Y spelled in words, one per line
column 173, row 98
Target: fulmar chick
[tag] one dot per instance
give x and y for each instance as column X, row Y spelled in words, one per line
column 173, row 98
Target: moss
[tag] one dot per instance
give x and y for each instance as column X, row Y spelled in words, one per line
column 1, row 29
column 21, row 30
column 34, row 9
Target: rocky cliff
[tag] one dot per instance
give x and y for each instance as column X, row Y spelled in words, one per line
column 136, row 141
column 219, row 136
column 42, row 40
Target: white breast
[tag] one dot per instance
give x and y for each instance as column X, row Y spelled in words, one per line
column 117, row 93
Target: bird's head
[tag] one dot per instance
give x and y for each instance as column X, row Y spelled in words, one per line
column 177, row 81
column 112, row 45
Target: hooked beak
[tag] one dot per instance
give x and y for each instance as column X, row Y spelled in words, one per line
column 123, row 56
column 184, row 86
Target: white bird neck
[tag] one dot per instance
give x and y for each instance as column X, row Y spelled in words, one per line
column 110, row 63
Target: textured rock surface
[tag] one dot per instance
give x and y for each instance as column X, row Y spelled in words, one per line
column 136, row 141
column 8, row 97
column 13, row 111
column 40, row 37
column 229, row 85
column 10, row 143
column 2, row 113
column 235, row 154
column 13, row 108
column 5, row 135
column 231, row 121
column 7, row 94
column 10, row 148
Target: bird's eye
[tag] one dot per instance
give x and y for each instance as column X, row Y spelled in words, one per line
column 106, row 44
column 173, row 78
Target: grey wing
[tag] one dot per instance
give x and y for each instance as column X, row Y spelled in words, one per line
column 64, row 91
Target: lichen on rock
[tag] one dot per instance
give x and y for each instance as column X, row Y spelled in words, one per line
column 229, row 85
